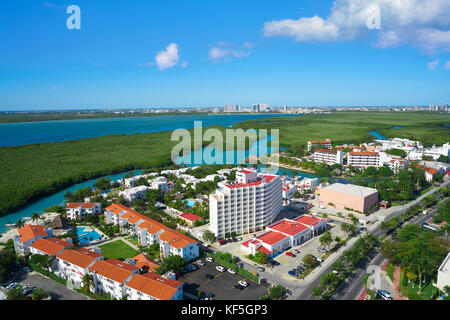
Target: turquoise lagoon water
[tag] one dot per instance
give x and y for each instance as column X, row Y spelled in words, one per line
column 57, row 198
column 15, row 134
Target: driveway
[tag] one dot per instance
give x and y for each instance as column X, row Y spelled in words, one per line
column 56, row 290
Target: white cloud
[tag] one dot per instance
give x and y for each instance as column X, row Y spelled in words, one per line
column 168, row 58
column 447, row 65
column 433, row 64
column 418, row 23
column 227, row 52
column 303, row 30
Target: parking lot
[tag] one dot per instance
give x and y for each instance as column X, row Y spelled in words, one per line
column 56, row 290
column 221, row 286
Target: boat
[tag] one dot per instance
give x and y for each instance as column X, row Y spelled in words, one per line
column 10, row 225
column 26, row 218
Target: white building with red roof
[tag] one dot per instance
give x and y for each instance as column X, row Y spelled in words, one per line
column 27, row 235
column 190, row 218
column 77, row 210
column 151, row 286
column 150, row 231
column 49, row 246
column 246, row 205
column 111, row 276
column 285, row 234
column 72, row 264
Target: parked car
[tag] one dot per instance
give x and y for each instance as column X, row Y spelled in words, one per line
column 239, row 287
column 27, row 269
column 424, row 212
column 221, row 242
column 209, row 276
column 290, row 254
column 239, row 239
column 191, row 267
column 208, row 296
column 296, row 251
column 232, row 271
column 184, row 270
column 209, row 259
column 322, row 249
column 12, row 286
column 335, row 272
column 220, row 268
column 318, row 259
column 261, row 269
column 243, row 283
column 205, row 245
column 201, row 263
column 292, row 272
column 382, row 294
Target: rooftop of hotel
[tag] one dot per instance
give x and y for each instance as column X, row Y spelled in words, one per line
column 267, row 178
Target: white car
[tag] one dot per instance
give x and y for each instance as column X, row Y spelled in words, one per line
column 200, row 263
column 220, row 268
column 243, row 283
column 209, row 259
column 205, row 245
column 232, row 271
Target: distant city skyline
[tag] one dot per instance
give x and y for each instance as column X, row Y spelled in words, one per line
column 176, row 54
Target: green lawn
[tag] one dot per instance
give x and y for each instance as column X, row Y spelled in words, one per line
column 118, row 249
column 411, row 292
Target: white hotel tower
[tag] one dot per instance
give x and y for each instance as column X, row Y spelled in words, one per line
column 247, row 205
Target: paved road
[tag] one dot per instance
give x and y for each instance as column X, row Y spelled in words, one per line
column 305, row 289
column 353, row 289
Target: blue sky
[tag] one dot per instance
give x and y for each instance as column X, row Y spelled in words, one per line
column 218, row 52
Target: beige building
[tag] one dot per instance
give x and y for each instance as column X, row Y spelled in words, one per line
column 342, row 196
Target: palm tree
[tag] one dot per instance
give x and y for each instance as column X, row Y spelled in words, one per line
column 88, row 282
column 326, row 239
column 35, row 216
column 19, row 224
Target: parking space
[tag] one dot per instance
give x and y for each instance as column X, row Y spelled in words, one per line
column 56, row 290
column 221, row 284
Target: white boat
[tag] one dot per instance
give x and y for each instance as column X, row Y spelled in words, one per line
column 10, row 225
column 26, row 218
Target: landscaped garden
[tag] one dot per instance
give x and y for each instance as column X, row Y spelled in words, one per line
column 118, row 250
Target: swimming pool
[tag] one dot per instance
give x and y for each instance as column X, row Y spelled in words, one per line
column 190, row 203
column 85, row 237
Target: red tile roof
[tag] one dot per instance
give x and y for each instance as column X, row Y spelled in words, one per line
column 364, row 153
column 176, row 239
column 84, row 205
column 50, row 246
column 154, row 285
column 113, row 269
column 79, row 257
column 288, row 227
column 29, row 232
column 190, row 216
column 431, row 171
column 326, row 151
column 144, row 262
column 272, row 237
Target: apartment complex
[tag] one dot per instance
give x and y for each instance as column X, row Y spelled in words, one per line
column 27, row 235
column 363, row 159
column 327, row 156
column 150, row 231
column 246, row 205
